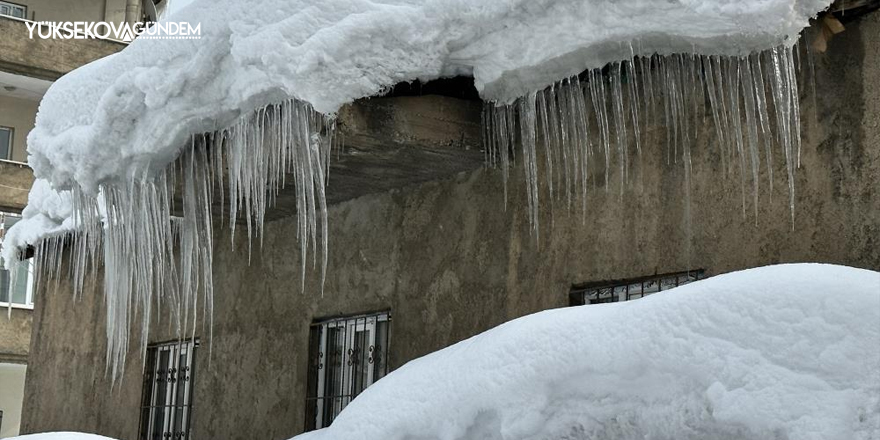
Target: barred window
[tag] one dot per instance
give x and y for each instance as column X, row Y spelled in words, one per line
column 346, row 355
column 626, row 290
column 169, row 375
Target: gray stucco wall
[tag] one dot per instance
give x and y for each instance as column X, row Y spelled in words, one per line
column 15, row 335
column 449, row 262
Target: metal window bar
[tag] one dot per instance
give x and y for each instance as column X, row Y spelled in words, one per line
column 630, row 289
column 166, row 403
column 346, row 355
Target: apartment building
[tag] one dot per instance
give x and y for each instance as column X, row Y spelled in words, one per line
column 27, row 69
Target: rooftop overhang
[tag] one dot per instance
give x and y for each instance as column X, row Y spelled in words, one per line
column 46, row 59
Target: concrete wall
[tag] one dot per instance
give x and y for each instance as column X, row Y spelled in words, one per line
column 15, row 335
column 46, row 59
column 76, row 10
column 20, row 115
column 449, row 261
column 16, row 180
column 12, row 377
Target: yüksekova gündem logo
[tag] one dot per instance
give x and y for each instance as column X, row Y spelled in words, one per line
column 81, row 30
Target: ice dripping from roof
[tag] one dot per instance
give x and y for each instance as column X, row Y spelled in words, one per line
column 159, row 129
column 599, row 116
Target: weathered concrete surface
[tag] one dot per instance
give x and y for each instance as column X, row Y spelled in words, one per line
column 46, row 59
column 15, row 335
column 16, row 180
column 449, row 261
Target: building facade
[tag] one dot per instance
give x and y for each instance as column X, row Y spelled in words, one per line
column 27, row 69
column 416, row 268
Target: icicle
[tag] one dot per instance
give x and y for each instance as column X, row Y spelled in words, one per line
column 152, row 258
column 530, row 163
column 735, row 89
column 619, row 122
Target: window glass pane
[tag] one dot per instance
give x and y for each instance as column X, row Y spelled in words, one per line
column 359, row 362
column 5, row 142
column 4, row 284
column 378, row 356
column 19, row 289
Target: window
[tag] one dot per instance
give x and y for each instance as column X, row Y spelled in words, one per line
column 346, row 355
column 16, row 285
column 626, row 290
column 169, row 376
column 13, row 10
column 5, row 139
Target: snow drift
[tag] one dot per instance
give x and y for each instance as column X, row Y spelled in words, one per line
column 61, row 436
column 781, row 352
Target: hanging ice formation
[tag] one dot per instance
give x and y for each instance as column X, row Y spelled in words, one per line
column 598, row 117
column 153, row 234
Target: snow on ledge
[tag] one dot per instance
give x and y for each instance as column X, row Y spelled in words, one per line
column 789, row 351
column 61, row 436
column 134, row 110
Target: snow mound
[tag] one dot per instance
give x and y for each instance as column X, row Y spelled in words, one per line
column 110, row 120
column 781, row 352
column 61, row 436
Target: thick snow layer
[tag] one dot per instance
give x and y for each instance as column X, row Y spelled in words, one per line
column 111, row 119
column 133, row 111
column 61, row 436
column 781, row 352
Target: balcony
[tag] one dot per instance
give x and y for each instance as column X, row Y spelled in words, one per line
column 46, row 59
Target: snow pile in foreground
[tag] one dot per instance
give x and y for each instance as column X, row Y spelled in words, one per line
column 783, row 352
column 61, row 436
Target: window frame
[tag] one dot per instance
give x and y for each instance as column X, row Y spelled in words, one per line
column 150, row 393
column 29, row 292
column 11, row 131
column 319, row 392
column 602, row 289
column 12, row 5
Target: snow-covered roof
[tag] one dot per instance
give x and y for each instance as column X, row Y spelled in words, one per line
column 108, row 120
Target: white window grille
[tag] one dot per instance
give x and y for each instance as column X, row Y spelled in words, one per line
column 169, row 376
column 13, row 10
column 346, row 356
